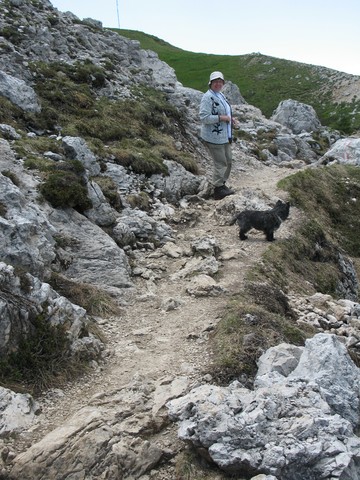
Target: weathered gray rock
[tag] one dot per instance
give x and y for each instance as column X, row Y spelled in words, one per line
column 95, row 257
column 197, row 265
column 178, row 183
column 125, row 181
column 26, row 233
column 326, row 363
column 137, row 225
column 19, row 93
column 204, row 286
column 232, row 93
column 18, row 411
column 283, row 359
column 291, row 147
column 77, row 149
column 163, row 75
column 104, row 440
column 101, row 212
column 297, row 116
column 262, row 476
column 345, row 151
column 205, row 247
column 290, row 426
column 9, row 132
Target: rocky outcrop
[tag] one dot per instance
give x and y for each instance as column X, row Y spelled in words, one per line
column 178, row 184
column 297, row 116
column 104, row 439
column 23, row 298
column 299, row 422
column 26, row 233
column 345, row 151
column 19, row 93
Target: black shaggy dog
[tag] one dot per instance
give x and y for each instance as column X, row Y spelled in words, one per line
column 267, row 221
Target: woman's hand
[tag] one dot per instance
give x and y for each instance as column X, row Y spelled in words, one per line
column 225, row 118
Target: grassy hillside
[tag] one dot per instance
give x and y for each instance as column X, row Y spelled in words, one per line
column 263, row 81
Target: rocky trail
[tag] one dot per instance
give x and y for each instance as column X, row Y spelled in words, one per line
column 161, row 335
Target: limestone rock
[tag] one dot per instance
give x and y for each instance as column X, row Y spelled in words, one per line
column 178, row 183
column 18, row 411
column 77, row 149
column 19, row 93
column 204, row 286
column 345, row 151
column 290, row 426
column 103, row 440
column 297, row 116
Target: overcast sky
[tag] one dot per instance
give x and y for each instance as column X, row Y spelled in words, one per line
column 317, row 32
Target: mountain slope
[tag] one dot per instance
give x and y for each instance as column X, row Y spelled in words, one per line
column 265, row 81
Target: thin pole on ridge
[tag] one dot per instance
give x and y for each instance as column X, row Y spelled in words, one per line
column 117, row 11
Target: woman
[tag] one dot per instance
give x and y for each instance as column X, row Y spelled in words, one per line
column 216, row 131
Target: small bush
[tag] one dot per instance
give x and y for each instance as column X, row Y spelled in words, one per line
column 141, row 162
column 38, row 163
column 139, row 200
column 41, row 359
column 64, row 189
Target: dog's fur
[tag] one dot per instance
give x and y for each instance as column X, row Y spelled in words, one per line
column 267, row 221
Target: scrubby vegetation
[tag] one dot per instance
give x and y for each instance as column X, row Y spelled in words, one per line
column 41, row 359
column 137, row 132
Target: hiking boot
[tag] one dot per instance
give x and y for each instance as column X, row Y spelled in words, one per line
column 221, row 192
column 229, row 190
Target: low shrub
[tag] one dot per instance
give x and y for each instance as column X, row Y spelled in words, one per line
column 41, row 360
column 65, row 189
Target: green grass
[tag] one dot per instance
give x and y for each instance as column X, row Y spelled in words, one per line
column 263, row 81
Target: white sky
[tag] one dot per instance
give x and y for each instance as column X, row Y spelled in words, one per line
column 317, row 32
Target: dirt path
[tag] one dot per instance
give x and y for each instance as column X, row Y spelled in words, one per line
column 163, row 330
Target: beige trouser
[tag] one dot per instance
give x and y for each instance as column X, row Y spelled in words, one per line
column 222, row 159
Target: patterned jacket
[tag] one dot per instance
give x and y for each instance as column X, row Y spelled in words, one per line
column 212, row 130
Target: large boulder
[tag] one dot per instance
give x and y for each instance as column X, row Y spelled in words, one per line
column 299, row 422
column 93, row 256
column 297, row 116
column 19, row 93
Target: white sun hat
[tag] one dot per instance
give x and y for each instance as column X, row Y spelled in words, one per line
column 215, row 76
